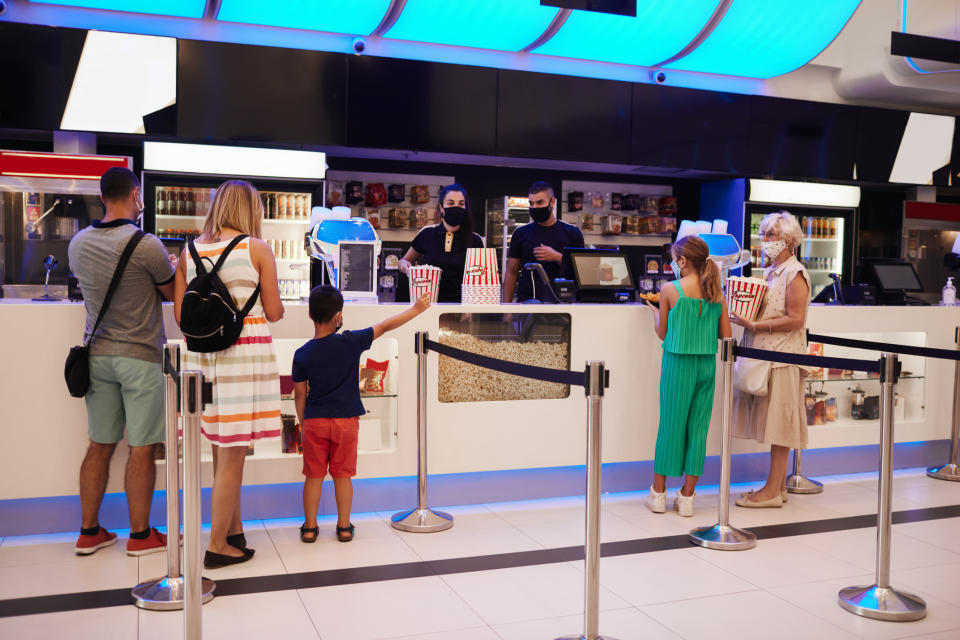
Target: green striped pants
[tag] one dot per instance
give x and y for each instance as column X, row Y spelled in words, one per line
column 686, row 403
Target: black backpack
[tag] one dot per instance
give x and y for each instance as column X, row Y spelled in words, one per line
column 209, row 319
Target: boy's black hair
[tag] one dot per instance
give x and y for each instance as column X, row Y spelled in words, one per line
column 540, row 186
column 117, row 183
column 326, row 301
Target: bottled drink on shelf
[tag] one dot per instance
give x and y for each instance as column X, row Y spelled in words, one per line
column 833, row 227
column 274, row 204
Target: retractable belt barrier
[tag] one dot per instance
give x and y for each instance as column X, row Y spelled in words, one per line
column 950, row 470
column 879, row 600
column 595, row 378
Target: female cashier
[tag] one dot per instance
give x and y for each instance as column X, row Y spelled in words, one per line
column 445, row 245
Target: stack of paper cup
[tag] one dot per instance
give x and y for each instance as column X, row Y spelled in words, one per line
column 424, row 279
column 481, row 278
column 744, row 296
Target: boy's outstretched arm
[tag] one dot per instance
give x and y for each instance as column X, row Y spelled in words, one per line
column 401, row 319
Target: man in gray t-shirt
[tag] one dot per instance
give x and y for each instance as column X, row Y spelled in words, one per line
column 126, row 377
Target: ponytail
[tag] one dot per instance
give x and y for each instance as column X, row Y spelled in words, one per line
column 710, row 285
column 697, row 253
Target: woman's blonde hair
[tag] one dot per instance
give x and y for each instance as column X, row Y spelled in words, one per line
column 786, row 224
column 697, row 254
column 236, row 205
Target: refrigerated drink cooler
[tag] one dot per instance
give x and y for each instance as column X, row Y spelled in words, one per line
column 503, row 215
column 828, row 245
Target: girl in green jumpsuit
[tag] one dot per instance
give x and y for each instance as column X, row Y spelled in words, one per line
column 691, row 318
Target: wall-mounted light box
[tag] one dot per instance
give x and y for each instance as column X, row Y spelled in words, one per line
column 234, row 161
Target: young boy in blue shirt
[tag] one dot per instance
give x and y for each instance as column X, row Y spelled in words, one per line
column 326, row 376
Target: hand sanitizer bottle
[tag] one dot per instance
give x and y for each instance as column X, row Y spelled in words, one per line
column 949, row 293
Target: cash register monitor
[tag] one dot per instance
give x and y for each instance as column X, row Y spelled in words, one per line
column 896, row 276
column 601, row 270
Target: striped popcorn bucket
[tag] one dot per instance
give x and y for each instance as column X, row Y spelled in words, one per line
column 424, row 279
column 480, row 268
column 744, row 296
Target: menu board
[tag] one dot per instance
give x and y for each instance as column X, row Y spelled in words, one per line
column 357, row 263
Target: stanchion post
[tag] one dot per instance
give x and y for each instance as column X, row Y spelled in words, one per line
column 422, row 519
column 797, row 482
column 951, row 470
column 596, row 377
column 721, row 535
column 881, row 601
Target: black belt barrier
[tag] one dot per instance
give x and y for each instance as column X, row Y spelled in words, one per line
column 869, row 366
column 575, row 378
column 925, row 352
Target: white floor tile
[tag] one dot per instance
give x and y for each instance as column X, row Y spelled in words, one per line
column 622, row 624
column 254, row 616
column 859, row 547
column 479, row 633
column 665, row 576
column 526, row 593
column 460, row 542
column 820, row 598
column 96, row 573
column 752, row 615
column 940, row 579
column 328, row 553
column 391, row 609
column 571, row 534
column 56, row 547
column 944, row 532
column 777, row 562
column 110, row 623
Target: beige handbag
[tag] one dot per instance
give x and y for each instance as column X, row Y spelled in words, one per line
column 752, row 376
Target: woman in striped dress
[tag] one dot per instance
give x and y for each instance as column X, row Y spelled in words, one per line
column 691, row 317
column 246, row 384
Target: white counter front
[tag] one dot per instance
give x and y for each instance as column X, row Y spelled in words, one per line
column 43, row 430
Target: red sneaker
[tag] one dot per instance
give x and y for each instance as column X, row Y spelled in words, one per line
column 89, row 544
column 153, row 543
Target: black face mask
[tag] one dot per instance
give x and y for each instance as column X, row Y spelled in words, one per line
column 540, row 214
column 454, row 216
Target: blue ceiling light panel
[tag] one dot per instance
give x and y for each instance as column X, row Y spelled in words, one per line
column 660, row 31
column 354, row 17
column 765, row 38
column 503, row 25
column 178, row 8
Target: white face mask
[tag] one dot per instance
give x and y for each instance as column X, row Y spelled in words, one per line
column 774, row 249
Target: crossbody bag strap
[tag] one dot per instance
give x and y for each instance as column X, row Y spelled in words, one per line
column 115, row 282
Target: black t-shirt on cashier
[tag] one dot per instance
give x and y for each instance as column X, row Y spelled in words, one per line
column 449, row 254
column 530, row 236
column 331, row 365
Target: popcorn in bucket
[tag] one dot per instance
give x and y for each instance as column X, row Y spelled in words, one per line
column 424, row 279
column 744, row 296
column 480, row 267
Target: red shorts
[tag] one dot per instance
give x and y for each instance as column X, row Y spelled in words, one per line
column 330, row 442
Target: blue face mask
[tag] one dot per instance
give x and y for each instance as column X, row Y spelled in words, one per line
column 676, row 269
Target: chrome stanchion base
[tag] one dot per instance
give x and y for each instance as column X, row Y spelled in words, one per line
column 945, row 472
column 166, row 594
column 801, row 484
column 882, row 603
column 581, row 637
column 422, row 521
column 723, row 537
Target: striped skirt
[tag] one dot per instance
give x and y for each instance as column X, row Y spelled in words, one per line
column 246, row 388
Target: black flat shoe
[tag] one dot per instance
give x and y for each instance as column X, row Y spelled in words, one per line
column 304, row 530
column 213, row 560
column 239, row 541
column 345, row 534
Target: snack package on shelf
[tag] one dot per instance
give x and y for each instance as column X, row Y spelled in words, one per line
column 745, row 295
column 396, row 193
column 574, row 201
column 373, row 376
column 631, row 201
column 612, row 224
column 631, row 224
column 419, row 218
column 399, row 217
column 376, row 194
column 815, row 349
column 649, row 206
column 372, row 216
column 648, row 224
column 335, row 194
column 668, row 206
column 596, row 199
column 424, row 279
column 668, row 224
column 616, row 201
column 420, row 194
column 354, row 192
column 587, row 222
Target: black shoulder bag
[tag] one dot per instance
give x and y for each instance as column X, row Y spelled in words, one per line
column 76, row 370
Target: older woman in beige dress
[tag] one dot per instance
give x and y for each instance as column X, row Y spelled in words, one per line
column 778, row 418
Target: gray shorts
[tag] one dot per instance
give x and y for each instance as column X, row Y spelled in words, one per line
column 125, row 392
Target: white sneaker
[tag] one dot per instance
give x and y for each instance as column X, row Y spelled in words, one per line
column 684, row 504
column 656, row 502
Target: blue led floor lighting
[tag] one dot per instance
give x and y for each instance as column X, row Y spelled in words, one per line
column 504, row 25
column 179, row 8
column 767, row 38
column 356, row 17
column 660, row 31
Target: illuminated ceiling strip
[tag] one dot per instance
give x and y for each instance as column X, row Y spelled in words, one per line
column 361, row 18
column 176, row 8
column 501, row 25
column 763, row 39
column 903, row 29
column 658, row 31
column 804, row 193
column 234, row 161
